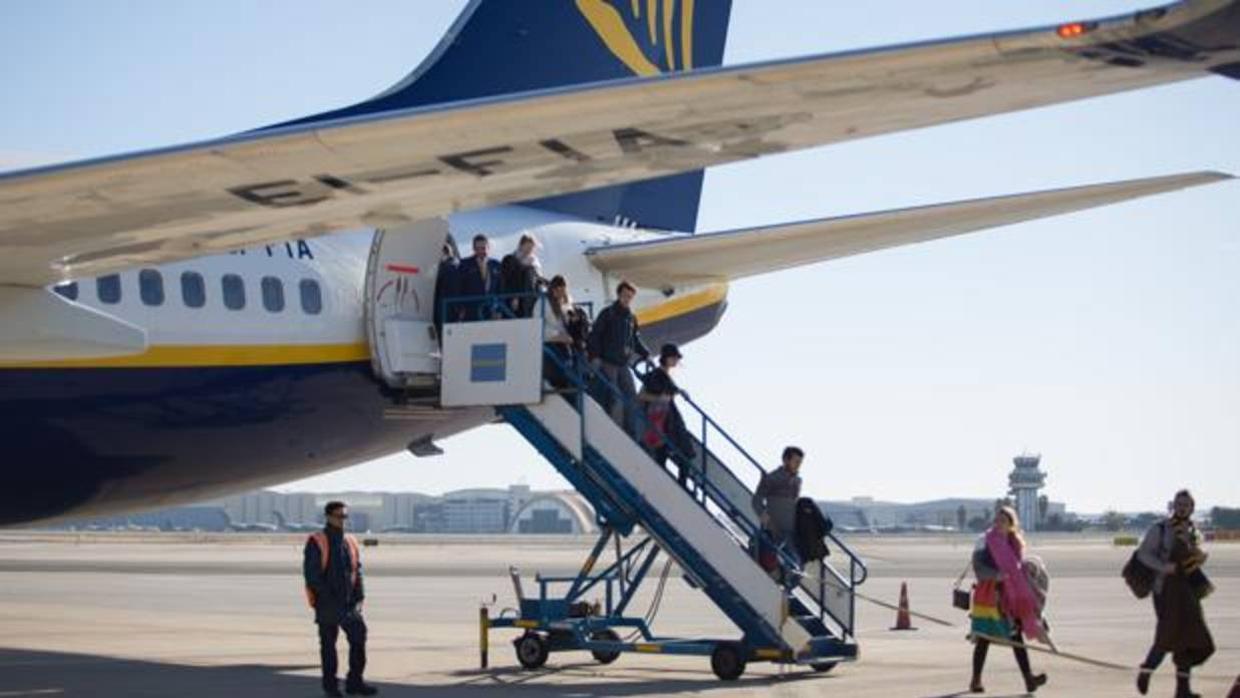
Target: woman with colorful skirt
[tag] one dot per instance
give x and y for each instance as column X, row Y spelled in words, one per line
column 1005, row 606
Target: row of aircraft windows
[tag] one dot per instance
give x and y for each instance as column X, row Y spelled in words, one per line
column 194, row 291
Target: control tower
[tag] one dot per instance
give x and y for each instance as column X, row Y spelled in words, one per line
column 1023, row 484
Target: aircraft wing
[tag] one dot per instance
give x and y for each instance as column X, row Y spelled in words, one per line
column 735, row 254
column 92, row 217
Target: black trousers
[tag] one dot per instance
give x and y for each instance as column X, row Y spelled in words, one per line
column 981, row 647
column 355, row 630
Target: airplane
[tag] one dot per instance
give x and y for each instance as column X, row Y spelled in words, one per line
column 253, row 527
column 296, row 526
column 183, row 323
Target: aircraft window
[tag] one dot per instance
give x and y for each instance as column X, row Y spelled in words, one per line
column 69, row 290
column 193, row 289
column 151, row 287
column 311, row 297
column 109, row 288
column 273, row 294
column 234, row 292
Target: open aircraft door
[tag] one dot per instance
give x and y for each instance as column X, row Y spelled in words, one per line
column 400, row 302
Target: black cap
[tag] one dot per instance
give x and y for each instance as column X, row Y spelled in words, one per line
column 669, row 350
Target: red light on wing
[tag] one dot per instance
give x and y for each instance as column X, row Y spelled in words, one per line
column 1073, row 30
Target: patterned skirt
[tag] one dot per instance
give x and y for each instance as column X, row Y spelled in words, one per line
column 985, row 616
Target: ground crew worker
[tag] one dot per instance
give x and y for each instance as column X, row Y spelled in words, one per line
column 333, row 572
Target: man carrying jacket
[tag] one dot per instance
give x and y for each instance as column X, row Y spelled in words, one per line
column 775, row 500
column 613, row 341
column 333, row 571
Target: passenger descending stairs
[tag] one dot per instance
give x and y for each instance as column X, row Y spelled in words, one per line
column 708, row 528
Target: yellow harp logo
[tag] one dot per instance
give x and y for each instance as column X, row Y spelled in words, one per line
column 611, row 20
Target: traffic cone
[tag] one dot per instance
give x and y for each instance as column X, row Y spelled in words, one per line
column 1235, row 689
column 903, row 620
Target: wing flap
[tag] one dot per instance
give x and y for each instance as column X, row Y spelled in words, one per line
column 739, row 253
column 95, row 217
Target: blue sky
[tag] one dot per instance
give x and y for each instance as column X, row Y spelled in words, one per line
column 1107, row 340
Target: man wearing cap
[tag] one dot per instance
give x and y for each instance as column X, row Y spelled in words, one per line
column 666, row 434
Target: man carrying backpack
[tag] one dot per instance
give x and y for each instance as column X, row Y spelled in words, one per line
column 333, row 570
column 1171, row 549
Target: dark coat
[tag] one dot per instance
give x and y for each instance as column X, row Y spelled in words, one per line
column 470, row 277
column 812, row 529
column 615, row 336
column 336, row 596
column 471, row 283
column 659, row 382
column 518, row 278
column 1181, row 626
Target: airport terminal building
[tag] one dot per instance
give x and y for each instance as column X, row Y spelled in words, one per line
column 515, row 509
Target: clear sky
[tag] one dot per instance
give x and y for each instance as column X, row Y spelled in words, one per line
column 1108, row 340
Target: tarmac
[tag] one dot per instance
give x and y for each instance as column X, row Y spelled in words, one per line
column 223, row 615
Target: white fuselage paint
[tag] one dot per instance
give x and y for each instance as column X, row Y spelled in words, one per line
column 337, row 263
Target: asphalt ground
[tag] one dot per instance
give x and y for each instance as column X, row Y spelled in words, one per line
column 201, row 615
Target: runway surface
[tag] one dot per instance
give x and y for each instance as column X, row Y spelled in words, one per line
column 191, row 615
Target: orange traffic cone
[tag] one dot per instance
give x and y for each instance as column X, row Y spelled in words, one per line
column 903, row 620
column 1235, row 689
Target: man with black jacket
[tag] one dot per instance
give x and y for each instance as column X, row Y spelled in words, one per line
column 478, row 276
column 333, row 573
column 613, row 341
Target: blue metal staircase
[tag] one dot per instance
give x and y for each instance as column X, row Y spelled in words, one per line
column 707, row 525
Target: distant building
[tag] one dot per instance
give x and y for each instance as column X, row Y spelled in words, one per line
column 516, row 509
column 554, row 512
column 476, row 511
column 869, row 514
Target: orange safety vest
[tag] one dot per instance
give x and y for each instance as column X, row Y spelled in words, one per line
column 319, row 538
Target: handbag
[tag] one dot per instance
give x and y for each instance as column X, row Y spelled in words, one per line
column 656, row 417
column 960, row 597
column 1138, row 576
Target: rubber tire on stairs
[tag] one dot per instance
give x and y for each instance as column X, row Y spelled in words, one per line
column 728, row 661
column 601, row 656
column 532, row 650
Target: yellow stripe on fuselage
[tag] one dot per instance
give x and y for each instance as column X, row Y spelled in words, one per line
column 200, row 355
column 711, row 295
column 172, row 355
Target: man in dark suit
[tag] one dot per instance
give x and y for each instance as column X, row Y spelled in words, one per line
column 478, row 276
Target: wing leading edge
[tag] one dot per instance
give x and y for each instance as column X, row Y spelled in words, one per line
column 94, row 217
column 739, row 253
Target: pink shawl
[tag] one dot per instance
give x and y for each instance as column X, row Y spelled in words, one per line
column 1019, row 603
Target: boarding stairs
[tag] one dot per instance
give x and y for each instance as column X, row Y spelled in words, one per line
column 787, row 615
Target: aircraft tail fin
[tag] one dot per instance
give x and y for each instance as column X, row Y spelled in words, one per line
column 499, row 47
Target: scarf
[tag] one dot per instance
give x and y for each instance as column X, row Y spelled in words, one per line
column 1019, row 602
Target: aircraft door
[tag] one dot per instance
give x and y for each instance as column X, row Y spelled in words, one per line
column 400, row 298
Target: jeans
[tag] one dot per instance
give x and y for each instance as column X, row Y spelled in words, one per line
column 621, row 407
column 355, row 630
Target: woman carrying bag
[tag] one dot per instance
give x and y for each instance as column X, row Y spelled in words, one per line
column 1005, row 606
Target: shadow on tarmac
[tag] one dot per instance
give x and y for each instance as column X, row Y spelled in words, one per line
column 34, row 674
